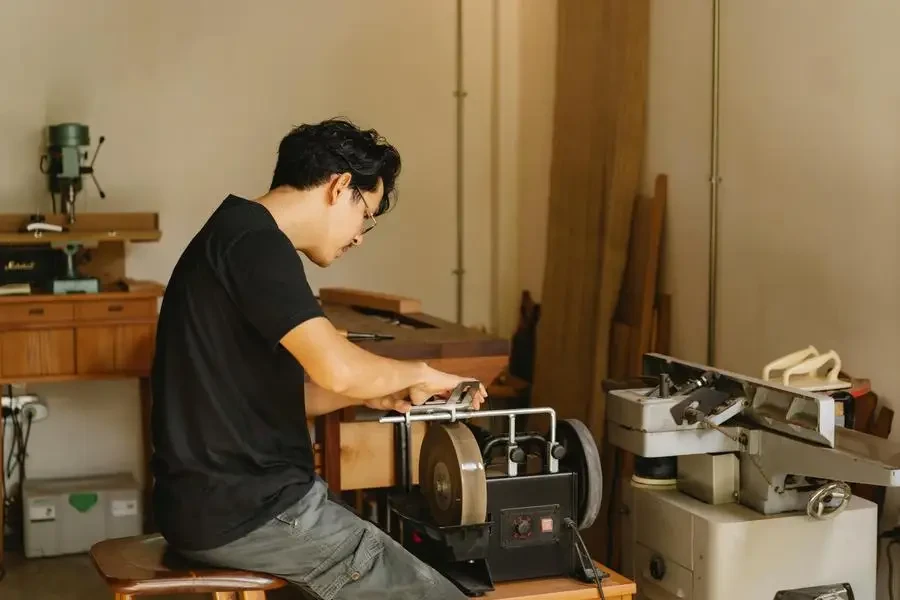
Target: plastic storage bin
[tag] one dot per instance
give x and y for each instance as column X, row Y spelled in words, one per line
column 69, row 515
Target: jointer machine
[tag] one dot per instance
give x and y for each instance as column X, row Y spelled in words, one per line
column 741, row 488
column 498, row 507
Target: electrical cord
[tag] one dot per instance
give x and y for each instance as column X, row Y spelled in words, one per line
column 15, row 463
column 583, row 554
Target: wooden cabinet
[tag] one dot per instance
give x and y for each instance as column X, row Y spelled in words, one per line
column 106, row 335
column 56, row 338
column 105, row 349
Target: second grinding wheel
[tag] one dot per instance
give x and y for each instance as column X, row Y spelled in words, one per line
column 583, row 459
column 452, row 476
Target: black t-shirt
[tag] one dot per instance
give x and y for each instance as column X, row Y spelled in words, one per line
column 231, row 444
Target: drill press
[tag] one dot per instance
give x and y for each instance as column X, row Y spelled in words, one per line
column 73, row 282
column 63, row 167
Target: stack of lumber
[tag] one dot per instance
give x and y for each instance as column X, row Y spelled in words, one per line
column 641, row 324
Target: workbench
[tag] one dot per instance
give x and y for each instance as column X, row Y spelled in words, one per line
column 561, row 588
column 353, row 452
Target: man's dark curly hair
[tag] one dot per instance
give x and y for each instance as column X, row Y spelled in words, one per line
column 310, row 154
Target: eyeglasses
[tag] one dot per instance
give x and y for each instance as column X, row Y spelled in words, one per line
column 369, row 221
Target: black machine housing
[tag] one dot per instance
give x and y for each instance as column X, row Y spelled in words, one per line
column 525, row 536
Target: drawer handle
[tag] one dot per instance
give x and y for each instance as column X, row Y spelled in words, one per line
column 35, row 311
column 114, row 308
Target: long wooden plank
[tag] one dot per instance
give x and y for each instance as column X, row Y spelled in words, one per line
column 598, row 149
column 89, row 221
column 85, row 237
column 367, row 299
column 632, row 338
column 638, row 295
column 417, row 336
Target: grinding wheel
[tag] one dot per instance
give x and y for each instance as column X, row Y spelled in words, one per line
column 583, row 459
column 452, row 476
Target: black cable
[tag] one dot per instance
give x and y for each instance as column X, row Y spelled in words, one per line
column 3, row 474
column 16, row 463
column 580, row 547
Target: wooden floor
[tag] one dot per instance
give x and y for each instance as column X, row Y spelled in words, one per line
column 72, row 578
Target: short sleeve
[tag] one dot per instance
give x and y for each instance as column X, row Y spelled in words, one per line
column 264, row 276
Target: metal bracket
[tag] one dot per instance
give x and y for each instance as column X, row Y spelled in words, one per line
column 446, row 412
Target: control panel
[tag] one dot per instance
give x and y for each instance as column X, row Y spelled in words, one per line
column 529, row 525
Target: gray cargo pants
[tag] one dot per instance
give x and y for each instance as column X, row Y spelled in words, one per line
column 331, row 554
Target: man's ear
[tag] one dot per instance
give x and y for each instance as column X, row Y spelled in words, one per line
column 336, row 186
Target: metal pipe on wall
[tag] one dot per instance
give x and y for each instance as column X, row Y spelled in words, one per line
column 460, row 95
column 714, row 181
column 495, row 166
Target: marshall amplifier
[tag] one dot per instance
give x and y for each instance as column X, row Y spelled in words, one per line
column 34, row 265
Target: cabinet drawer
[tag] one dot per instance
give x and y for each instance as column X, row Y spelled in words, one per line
column 36, row 312
column 115, row 309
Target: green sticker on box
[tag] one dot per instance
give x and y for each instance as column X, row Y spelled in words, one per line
column 83, row 502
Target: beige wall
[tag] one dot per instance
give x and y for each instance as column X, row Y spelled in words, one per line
column 809, row 161
column 193, row 98
column 809, row 157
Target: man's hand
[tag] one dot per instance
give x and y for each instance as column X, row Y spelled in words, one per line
column 437, row 383
column 398, row 402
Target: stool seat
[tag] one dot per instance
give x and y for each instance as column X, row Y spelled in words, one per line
column 145, row 565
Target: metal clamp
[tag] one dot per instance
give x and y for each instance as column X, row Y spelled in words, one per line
column 460, row 398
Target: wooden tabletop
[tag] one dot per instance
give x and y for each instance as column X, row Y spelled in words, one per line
column 416, row 335
column 562, row 588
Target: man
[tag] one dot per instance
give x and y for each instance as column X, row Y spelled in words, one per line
column 233, row 465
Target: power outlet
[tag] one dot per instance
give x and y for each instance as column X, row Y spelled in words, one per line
column 38, row 411
column 18, row 402
column 28, row 405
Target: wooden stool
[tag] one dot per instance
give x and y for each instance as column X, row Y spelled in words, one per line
column 144, row 566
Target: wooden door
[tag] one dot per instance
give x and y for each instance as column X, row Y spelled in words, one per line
column 39, row 352
column 109, row 349
column 95, row 349
column 134, row 347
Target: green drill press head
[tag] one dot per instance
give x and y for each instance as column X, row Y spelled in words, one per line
column 62, row 163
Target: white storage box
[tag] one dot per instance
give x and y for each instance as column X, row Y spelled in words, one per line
column 69, row 515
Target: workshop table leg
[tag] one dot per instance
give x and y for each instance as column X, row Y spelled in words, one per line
column 328, row 434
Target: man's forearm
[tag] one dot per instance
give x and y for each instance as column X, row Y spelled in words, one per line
column 367, row 375
column 340, row 366
column 320, row 401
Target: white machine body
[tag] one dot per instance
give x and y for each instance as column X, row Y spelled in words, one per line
column 686, row 549
column 759, row 502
